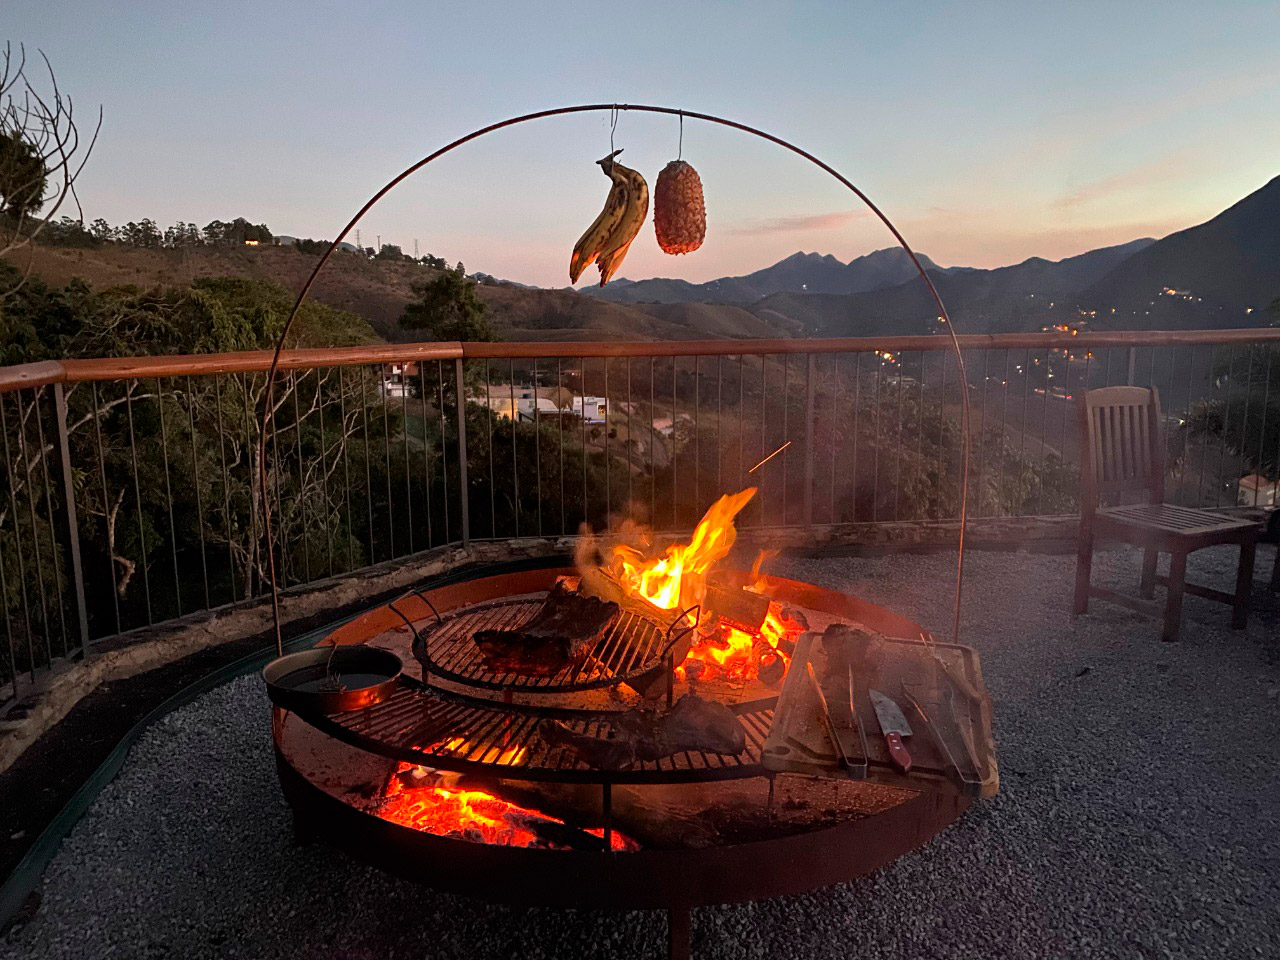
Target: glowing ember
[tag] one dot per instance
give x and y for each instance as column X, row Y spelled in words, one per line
column 449, row 811
column 737, row 656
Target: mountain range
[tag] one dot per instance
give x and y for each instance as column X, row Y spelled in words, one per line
column 1223, row 272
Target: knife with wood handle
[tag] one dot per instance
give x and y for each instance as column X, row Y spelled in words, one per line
column 894, row 726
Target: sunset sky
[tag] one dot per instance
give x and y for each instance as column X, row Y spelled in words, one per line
column 990, row 132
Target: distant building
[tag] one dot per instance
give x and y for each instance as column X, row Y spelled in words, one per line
column 1258, row 491
column 396, row 378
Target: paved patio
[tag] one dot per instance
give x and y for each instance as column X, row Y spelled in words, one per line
column 1139, row 814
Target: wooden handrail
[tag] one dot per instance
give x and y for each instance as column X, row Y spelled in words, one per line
column 256, row 361
column 27, row 375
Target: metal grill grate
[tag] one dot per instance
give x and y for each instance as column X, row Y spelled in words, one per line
column 424, row 726
column 633, row 646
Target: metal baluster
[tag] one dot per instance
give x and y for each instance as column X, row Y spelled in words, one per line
column 875, row 448
column 653, row 465
column 608, row 460
column 276, row 467
column 631, row 443
column 301, row 499
column 923, row 511
column 675, row 491
column 942, row 418
column 982, row 429
column 493, row 477
column 137, row 490
column 786, row 428
column 1004, row 433
column 13, row 511
column 384, row 389
column 250, row 444
column 195, row 482
column 537, row 439
column 1244, row 418
column 764, row 443
column 897, row 445
column 1067, row 413
column 168, row 496
column 404, row 438
column 833, row 420
column 515, row 429
column 330, row 514
column 742, row 413
column 582, row 382
column 809, row 428
column 48, row 506
column 226, row 496
column 560, row 386
column 368, row 456
column 1226, row 418
column 1044, row 435
column 464, row 506
column 697, row 445
column 346, row 464
column 1262, row 429
column 8, row 626
column 464, row 499
column 719, row 423
column 853, row 473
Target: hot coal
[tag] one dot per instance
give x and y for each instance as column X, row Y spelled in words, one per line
column 693, row 724
column 562, row 633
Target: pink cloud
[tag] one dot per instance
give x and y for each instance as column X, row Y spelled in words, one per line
column 814, row 221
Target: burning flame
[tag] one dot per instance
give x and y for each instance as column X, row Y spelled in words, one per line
column 677, row 579
column 439, row 808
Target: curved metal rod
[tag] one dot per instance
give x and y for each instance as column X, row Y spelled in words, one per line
column 613, row 107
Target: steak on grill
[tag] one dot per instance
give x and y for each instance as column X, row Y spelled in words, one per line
column 693, row 724
column 565, row 629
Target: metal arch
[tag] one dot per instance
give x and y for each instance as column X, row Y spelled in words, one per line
column 614, row 108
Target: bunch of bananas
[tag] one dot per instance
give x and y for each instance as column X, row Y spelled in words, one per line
column 606, row 241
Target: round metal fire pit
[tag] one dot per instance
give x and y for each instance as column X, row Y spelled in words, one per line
column 332, row 768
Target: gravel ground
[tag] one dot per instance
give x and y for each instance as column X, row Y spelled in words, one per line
column 1138, row 814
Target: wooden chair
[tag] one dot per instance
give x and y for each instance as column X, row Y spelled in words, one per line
column 1123, row 454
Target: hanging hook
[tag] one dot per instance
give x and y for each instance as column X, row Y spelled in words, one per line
column 680, row 151
column 613, row 125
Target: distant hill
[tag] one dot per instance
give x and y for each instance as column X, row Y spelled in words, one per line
column 378, row 291
column 798, row 273
column 1227, row 264
column 1018, row 297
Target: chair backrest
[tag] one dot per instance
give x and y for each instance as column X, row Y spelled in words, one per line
column 1122, row 445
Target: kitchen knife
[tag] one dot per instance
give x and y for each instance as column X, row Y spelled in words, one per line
column 894, row 726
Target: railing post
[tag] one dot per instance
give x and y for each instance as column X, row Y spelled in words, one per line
column 809, row 388
column 1133, row 363
column 462, row 453
column 73, row 523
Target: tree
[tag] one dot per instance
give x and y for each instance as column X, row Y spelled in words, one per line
column 447, row 308
column 41, row 154
column 23, row 177
column 390, row 251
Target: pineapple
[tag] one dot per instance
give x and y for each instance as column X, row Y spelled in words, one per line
column 679, row 213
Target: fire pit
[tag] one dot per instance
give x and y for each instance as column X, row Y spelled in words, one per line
column 456, row 781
